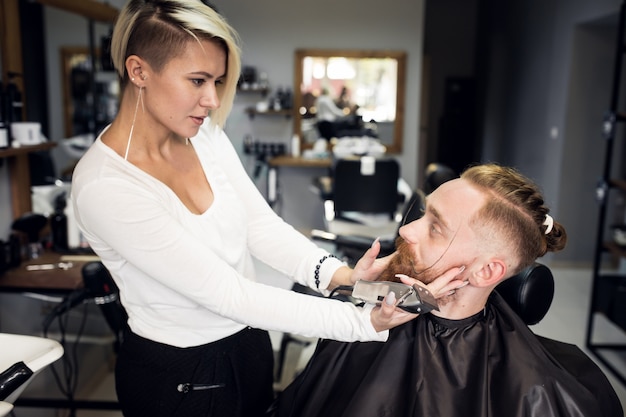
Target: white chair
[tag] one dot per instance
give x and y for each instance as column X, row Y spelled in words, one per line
column 35, row 352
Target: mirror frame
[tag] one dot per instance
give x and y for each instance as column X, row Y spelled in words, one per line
column 68, row 55
column 398, row 129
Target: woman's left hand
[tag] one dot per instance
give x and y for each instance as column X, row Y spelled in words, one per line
column 369, row 267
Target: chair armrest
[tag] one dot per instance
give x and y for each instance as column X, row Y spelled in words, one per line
column 354, row 242
column 324, row 185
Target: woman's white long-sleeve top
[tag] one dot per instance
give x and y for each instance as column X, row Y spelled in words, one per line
column 188, row 279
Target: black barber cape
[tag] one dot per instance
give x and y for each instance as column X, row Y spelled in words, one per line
column 490, row 364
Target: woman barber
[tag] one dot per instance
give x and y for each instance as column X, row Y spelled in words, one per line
column 163, row 199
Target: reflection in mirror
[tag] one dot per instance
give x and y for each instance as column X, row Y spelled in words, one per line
column 339, row 93
column 82, row 112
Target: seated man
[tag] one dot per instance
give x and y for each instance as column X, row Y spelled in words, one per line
column 333, row 121
column 475, row 356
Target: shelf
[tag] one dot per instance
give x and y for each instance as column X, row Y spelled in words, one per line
column 615, row 249
column 19, row 175
column 262, row 91
column 25, row 150
column 90, row 9
column 298, row 162
column 621, row 184
column 609, row 298
column 254, row 112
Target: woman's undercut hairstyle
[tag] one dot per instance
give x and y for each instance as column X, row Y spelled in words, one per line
column 158, row 30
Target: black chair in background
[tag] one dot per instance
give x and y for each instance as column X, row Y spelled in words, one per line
column 351, row 246
column 349, row 126
column 326, row 129
column 436, row 174
column 41, row 167
column 362, row 200
column 358, row 189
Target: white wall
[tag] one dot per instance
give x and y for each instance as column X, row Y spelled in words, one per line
column 552, row 76
column 272, row 30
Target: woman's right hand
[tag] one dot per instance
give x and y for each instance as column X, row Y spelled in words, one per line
column 387, row 315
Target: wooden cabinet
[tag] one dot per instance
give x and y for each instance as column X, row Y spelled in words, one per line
column 19, row 173
column 11, row 54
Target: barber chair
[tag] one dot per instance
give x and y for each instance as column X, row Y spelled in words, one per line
column 21, row 359
column 326, row 129
column 348, row 126
column 435, row 175
column 529, row 293
column 361, row 197
column 351, row 247
column 364, row 185
column 352, row 244
column 99, row 288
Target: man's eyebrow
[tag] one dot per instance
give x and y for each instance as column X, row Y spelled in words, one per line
column 437, row 215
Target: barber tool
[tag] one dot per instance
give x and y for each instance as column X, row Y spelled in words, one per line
column 413, row 299
column 47, row 267
column 31, row 224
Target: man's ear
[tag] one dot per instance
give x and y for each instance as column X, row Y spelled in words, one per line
column 490, row 274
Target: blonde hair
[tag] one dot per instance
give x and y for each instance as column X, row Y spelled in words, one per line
column 514, row 213
column 157, row 31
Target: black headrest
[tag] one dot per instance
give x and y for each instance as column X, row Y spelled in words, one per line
column 436, row 174
column 529, row 293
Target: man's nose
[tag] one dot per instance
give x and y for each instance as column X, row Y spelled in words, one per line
column 409, row 232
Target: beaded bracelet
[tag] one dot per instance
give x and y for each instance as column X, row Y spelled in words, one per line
column 319, row 265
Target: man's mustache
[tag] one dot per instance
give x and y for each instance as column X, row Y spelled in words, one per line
column 404, row 262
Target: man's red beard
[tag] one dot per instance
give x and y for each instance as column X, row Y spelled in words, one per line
column 404, row 262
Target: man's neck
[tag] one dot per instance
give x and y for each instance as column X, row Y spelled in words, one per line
column 464, row 303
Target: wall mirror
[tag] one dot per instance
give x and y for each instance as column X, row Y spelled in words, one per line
column 84, row 112
column 372, row 83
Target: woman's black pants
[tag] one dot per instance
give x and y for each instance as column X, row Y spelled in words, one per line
column 231, row 377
